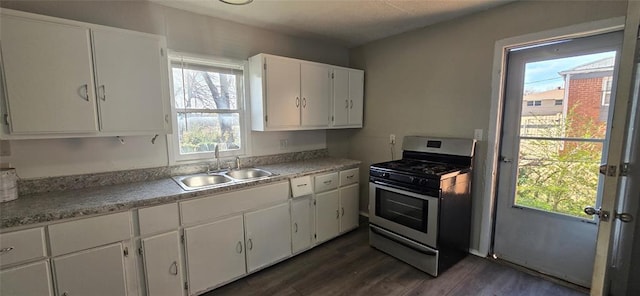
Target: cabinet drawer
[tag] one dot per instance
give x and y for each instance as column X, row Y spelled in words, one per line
column 87, row 233
column 158, row 218
column 326, row 182
column 209, row 208
column 301, row 186
column 21, row 246
column 349, row 177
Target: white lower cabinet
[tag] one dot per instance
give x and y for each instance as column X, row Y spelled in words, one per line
column 302, row 223
column 349, row 207
column 327, row 215
column 162, row 264
column 214, row 253
column 99, row 271
column 30, row 279
column 268, row 238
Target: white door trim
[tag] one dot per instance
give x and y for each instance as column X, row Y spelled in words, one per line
column 497, row 97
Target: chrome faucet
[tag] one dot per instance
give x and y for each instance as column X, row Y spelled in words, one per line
column 237, row 162
column 216, row 154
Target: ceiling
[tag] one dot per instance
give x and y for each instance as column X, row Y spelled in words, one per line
column 348, row 23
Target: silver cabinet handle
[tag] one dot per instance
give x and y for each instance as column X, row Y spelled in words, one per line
column 351, row 104
column 304, row 102
column 6, row 250
column 83, row 91
column 337, row 214
column 327, row 182
column 297, row 102
column 104, row 93
column 250, row 244
column 295, row 227
column 65, row 294
column 239, row 248
column 349, row 177
column 174, row 268
column 342, row 211
column 346, row 104
column 302, row 185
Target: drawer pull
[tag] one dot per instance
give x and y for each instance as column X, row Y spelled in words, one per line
column 349, row 177
column 295, row 227
column 327, row 182
column 302, row 185
column 174, row 268
column 6, row 250
column 250, row 244
column 343, row 212
column 337, row 214
column 239, row 248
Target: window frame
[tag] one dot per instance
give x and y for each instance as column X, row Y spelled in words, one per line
column 173, row 143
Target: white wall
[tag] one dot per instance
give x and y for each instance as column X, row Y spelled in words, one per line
column 185, row 32
column 437, row 81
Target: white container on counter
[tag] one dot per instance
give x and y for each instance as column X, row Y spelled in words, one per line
column 8, row 185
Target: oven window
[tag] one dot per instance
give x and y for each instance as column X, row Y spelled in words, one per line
column 402, row 209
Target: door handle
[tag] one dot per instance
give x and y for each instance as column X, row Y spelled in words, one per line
column 239, row 248
column 295, row 227
column 173, row 270
column 297, row 102
column 506, row 159
column 304, row 102
column 250, row 244
column 604, row 215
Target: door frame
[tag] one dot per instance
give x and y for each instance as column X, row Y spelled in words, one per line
column 498, row 85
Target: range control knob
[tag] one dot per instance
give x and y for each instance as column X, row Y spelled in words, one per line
column 423, row 181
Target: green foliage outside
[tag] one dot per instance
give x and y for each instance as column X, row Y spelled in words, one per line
column 560, row 176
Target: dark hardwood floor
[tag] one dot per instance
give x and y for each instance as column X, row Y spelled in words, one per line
column 349, row 266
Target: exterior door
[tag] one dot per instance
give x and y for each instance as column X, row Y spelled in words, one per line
column 617, row 262
column 554, row 134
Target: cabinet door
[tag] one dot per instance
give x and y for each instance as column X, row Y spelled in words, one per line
column 282, row 92
column 215, row 253
column 356, row 97
column 97, row 271
column 268, row 234
column 340, row 97
column 315, row 88
column 349, row 207
column 49, row 77
column 327, row 215
column 163, row 271
column 32, row 279
column 129, row 81
column 301, row 217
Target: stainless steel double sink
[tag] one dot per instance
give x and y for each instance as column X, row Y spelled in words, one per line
column 201, row 181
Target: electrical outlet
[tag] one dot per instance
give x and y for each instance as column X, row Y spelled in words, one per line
column 392, row 139
column 477, row 134
column 284, row 143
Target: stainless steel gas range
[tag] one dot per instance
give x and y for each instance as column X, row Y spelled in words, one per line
column 420, row 205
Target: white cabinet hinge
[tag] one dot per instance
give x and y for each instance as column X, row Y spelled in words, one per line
column 6, row 118
column 126, row 251
column 265, row 66
column 332, row 119
column 315, row 236
column 186, row 285
column 161, row 52
column 182, row 238
column 140, row 251
column 266, row 118
column 314, row 202
column 166, row 118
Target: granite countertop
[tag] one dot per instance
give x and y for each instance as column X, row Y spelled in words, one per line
column 52, row 206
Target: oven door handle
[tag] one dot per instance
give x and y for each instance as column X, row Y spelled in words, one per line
column 400, row 240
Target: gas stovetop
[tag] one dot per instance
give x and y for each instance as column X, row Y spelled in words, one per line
column 420, row 168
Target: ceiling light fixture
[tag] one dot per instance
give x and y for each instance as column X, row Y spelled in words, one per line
column 236, row 2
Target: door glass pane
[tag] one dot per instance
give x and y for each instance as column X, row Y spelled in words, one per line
column 563, row 127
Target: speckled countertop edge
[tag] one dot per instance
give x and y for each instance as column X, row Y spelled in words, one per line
column 54, row 206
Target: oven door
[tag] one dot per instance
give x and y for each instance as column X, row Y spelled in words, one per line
column 412, row 215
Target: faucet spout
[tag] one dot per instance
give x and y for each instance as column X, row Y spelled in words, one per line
column 238, row 162
column 216, row 153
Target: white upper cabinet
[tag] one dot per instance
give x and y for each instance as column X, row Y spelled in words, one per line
column 49, row 76
column 348, row 97
column 315, row 91
column 129, row 81
column 291, row 94
column 71, row 79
